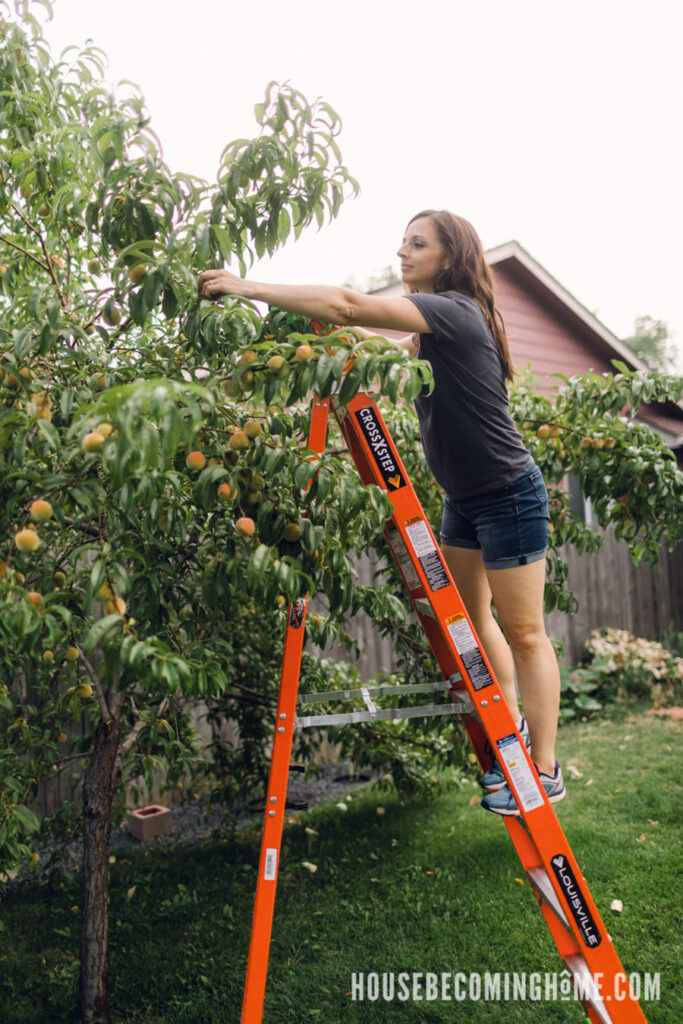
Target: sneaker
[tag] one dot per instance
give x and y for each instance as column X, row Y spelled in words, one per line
column 503, row 802
column 494, row 779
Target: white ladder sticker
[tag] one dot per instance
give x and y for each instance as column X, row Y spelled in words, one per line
column 427, row 553
column 270, row 870
column 467, row 647
column 525, row 783
column 461, row 634
column 403, row 558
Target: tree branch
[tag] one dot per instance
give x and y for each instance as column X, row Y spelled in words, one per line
column 25, row 252
column 94, row 678
column 128, row 743
column 48, row 258
column 92, row 531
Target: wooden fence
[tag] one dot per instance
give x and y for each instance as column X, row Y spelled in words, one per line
column 611, row 591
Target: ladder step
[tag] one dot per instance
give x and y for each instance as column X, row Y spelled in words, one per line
column 540, row 881
column 382, row 691
column 586, row 986
column 258, row 804
column 383, row 714
column 424, row 607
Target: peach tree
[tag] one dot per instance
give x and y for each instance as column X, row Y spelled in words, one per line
column 155, row 512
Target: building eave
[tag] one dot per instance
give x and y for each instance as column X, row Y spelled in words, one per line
column 514, row 251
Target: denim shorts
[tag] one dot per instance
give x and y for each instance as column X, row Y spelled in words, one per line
column 509, row 526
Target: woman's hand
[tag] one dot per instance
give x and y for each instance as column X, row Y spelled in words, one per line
column 213, row 283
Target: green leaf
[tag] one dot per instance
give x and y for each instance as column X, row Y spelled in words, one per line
column 99, row 630
column 587, row 703
column 27, row 818
column 224, row 240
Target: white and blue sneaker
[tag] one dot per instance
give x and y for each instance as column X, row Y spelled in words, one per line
column 494, row 779
column 503, row 802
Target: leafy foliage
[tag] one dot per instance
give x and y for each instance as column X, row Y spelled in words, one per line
column 634, row 485
column 137, row 583
column 621, row 667
column 653, row 343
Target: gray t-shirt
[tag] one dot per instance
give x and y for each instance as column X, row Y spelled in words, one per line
column 471, row 444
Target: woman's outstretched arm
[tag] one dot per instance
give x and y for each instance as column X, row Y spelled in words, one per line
column 324, row 302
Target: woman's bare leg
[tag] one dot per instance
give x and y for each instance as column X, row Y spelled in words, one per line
column 468, row 572
column 518, row 597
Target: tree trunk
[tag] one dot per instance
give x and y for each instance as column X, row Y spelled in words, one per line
column 98, row 794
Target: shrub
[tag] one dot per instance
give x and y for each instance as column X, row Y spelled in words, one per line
column 621, row 667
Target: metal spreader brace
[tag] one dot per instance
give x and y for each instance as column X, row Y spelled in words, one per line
column 565, row 901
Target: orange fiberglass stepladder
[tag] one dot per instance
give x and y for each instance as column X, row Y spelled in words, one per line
column 570, row 913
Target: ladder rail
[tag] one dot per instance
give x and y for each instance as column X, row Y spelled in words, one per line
column 454, row 641
column 567, row 906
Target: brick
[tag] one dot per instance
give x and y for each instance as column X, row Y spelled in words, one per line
column 147, row 822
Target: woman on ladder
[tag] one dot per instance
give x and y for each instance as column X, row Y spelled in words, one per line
column 494, row 531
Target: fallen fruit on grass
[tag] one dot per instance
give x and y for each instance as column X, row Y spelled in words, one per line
column 93, row 441
column 71, row 654
column 27, row 540
column 196, row 460
column 245, row 526
column 41, row 511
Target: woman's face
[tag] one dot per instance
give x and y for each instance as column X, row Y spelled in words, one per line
column 422, row 256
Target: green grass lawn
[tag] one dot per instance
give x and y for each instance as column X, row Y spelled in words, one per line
column 427, row 886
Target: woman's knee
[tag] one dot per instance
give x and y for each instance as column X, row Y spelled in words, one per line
column 526, row 637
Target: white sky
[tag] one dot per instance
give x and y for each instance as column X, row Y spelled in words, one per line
column 558, row 124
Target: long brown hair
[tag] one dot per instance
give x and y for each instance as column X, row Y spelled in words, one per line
column 468, row 272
